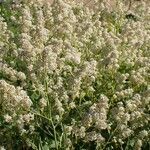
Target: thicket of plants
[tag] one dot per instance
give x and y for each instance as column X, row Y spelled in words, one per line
column 74, row 77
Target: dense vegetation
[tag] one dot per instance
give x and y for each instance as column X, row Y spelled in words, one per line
column 74, row 77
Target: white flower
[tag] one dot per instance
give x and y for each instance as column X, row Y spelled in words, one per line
column 8, row 118
column 2, row 148
column 72, row 105
column 21, row 76
column 42, row 103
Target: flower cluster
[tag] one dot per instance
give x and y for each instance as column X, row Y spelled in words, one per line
column 14, row 101
column 74, row 75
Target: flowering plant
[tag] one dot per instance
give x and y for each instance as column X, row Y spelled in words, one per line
column 74, row 76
